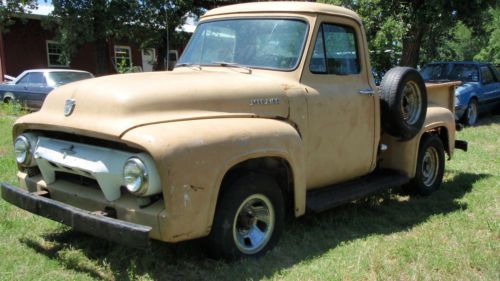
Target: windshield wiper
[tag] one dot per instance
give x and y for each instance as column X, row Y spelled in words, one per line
column 233, row 64
column 190, row 65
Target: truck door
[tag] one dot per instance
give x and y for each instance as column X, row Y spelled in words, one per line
column 342, row 114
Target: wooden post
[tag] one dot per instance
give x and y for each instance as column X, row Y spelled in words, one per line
column 2, row 57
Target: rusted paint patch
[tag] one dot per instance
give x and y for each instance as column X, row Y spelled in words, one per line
column 196, row 188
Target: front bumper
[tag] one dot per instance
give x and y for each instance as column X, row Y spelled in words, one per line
column 126, row 233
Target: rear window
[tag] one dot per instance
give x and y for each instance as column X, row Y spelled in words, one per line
column 61, row 78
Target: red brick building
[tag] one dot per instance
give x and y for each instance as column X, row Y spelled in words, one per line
column 28, row 45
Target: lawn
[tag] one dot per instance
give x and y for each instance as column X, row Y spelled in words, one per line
column 454, row 234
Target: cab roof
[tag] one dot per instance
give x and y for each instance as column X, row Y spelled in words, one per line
column 283, row 7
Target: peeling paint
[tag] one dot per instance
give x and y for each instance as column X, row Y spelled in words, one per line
column 186, row 199
column 286, row 87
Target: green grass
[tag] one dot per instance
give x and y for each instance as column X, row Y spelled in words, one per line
column 454, row 234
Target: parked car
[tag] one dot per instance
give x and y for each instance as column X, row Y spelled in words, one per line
column 32, row 86
column 480, row 89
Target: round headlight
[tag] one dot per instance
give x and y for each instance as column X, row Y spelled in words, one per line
column 22, row 149
column 135, row 176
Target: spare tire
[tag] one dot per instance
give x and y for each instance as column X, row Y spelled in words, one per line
column 403, row 102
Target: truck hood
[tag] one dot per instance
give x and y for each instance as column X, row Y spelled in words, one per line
column 112, row 105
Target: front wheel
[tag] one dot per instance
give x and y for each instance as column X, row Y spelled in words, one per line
column 471, row 113
column 249, row 218
column 430, row 166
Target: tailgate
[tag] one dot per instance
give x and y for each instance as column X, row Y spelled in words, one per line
column 442, row 94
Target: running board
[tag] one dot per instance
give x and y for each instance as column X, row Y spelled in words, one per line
column 319, row 200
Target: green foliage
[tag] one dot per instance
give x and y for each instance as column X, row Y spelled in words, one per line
column 12, row 109
column 147, row 23
column 123, row 67
column 9, row 8
column 77, row 22
column 415, row 32
column 153, row 24
column 491, row 50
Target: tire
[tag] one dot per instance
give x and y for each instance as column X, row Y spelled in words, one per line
column 471, row 113
column 430, row 166
column 403, row 101
column 238, row 231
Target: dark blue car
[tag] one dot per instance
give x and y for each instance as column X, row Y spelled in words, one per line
column 480, row 91
column 32, row 86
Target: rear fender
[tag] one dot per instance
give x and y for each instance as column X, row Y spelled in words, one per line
column 402, row 155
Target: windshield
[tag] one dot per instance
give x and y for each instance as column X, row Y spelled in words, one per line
column 60, row 78
column 259, row 43
column 447, row 71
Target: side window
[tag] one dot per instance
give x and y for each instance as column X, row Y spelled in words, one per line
column 496, row 74
column 487, row 76
column 318, row 61
column 24, row 80
column 335, row 51
column 37, row 78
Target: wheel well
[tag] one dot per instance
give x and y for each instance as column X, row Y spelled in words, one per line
column 442, row 133
column 275, row 167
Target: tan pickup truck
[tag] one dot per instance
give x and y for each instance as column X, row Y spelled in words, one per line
column 271, row 112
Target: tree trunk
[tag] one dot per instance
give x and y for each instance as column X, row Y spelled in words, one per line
column 2, row 57
column 161, row 54
column 411, row 46
column 101, row 44
column 102, row 57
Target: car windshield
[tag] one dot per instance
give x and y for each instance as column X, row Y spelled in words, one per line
column 446, row 71
column 259, row 43
column 64, row 77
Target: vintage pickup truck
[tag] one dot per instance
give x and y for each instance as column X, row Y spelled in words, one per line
column 271, row 111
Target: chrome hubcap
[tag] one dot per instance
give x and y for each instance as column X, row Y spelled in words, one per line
column 253, row 224
column 411, row 103
column 430, row 165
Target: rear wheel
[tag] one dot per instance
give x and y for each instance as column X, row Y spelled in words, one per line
column 249, row 218
column 430, row 166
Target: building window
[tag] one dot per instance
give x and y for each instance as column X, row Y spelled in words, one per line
column 54, row 54
column 123, row 57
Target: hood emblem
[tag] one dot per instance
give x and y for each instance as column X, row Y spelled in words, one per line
column 69, row 106
column 264, row 101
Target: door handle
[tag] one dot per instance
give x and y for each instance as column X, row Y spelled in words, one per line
column 368, row 91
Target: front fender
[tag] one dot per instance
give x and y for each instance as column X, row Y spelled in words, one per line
column 192, row 158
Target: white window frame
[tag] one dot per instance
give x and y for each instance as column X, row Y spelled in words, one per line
column 47, row 42
column 129, row 54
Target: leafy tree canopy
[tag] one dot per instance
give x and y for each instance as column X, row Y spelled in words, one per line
column 9, row 8
column 399, row 31
column 148, row 23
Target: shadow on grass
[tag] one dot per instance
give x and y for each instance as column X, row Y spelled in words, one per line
column 305, row 238
column 488, row 118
